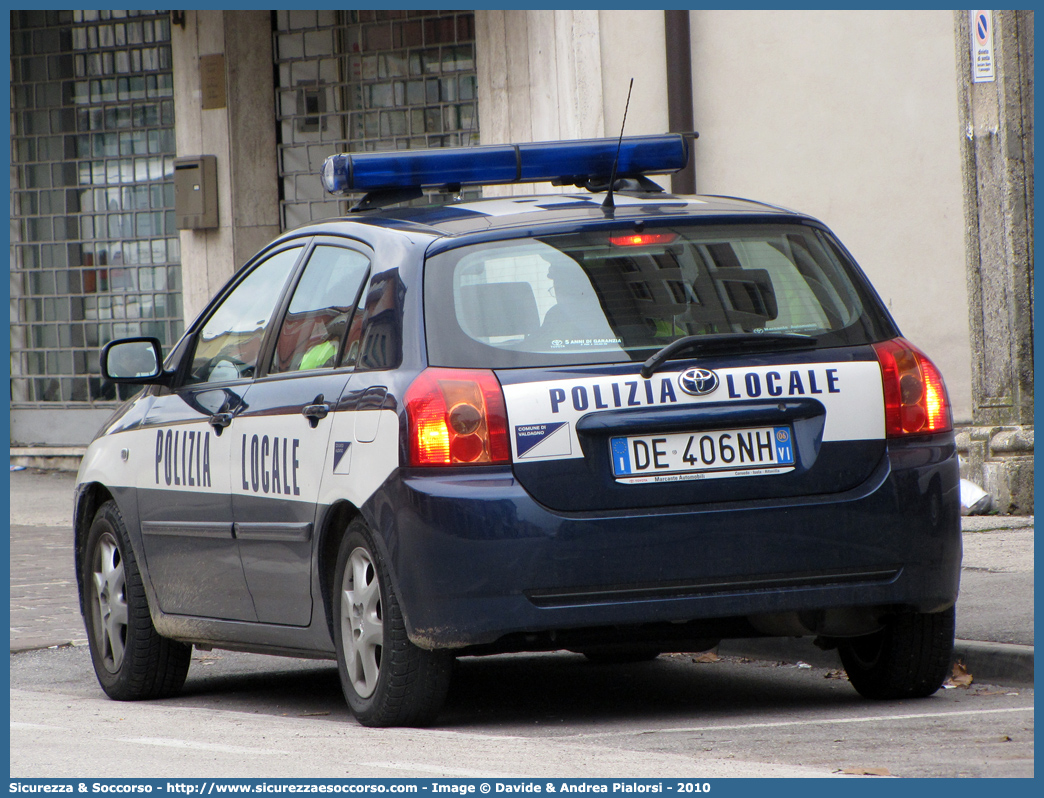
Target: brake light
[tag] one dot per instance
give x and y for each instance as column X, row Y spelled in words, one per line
column 915, row 396
column 457, row 417
column 642, row 239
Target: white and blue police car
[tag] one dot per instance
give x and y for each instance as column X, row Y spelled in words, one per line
column 616, row 421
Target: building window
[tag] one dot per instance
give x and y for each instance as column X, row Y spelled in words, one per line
column 94, row 250
column 357, row 81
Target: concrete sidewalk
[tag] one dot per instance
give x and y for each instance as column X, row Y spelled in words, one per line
column 994, row 612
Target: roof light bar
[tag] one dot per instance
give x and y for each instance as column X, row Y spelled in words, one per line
column 557, row 161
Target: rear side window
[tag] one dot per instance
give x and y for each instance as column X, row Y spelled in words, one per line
column 375, row 336
column 603, row 296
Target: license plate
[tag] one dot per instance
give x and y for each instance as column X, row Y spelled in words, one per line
column 678, row 456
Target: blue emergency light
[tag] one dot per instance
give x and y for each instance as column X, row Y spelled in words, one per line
column 562, row 162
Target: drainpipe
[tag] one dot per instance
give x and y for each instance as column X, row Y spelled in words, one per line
column 679, row 91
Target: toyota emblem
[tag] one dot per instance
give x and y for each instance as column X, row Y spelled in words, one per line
column 698, row 382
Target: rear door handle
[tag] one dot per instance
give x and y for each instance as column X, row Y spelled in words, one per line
column 316, row 411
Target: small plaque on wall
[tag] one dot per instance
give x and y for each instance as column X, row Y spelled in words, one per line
column 212, row 80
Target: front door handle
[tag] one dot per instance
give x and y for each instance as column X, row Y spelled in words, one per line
column 319, row 409
column 219, row 421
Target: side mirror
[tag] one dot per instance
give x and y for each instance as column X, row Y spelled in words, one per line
column 133, row 360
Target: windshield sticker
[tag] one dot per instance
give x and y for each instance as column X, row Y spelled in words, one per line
column 543, row 440
column 560, row 343
column 793, row 328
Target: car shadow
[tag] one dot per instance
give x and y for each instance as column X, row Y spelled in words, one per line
column 566, row 688
column 526, row 689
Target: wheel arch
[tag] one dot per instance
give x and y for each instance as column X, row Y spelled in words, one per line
column 89, row 497
column 333, row 527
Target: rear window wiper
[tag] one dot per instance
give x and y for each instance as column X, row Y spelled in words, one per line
column 723, row 343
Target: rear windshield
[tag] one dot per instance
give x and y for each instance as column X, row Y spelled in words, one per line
column 609, row 297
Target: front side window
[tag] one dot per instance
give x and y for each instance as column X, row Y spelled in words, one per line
column 229, row 343
column 320, row 310
column 607, row 296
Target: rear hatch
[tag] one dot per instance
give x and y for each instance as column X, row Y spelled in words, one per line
column 685, row 363
column 593, row 439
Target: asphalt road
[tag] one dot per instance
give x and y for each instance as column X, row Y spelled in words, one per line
column 553, row 715
column 542, row 716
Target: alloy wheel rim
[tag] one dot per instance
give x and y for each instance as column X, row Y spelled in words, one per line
column 362, row 622
column 110, row 602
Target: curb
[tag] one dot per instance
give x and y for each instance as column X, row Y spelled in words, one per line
column 26, row 645
column 997, row 663
column 1006, row 664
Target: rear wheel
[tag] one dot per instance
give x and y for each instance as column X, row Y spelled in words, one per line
column 386, row 680
column 909, row 658
column 131, row 659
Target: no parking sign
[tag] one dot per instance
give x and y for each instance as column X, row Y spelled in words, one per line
column 981, row 24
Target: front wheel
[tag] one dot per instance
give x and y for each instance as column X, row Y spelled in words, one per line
column 909, row 658
column 386, row 680
column 131, row 659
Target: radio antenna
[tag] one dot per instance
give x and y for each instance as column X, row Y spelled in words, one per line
column 612, row 177
column 471, row 122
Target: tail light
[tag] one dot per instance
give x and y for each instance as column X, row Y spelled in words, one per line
column 457, row 417
column 915, row 396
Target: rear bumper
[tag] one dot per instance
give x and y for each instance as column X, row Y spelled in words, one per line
column 474, row 558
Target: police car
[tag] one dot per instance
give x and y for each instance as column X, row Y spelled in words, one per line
column 614, row 421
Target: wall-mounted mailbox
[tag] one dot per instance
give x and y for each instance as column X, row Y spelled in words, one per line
column 195, row 192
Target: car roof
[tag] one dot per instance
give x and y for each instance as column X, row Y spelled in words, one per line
column 551, row 210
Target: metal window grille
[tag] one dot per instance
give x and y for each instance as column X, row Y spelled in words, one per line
column 355, row 81
column 94, row 249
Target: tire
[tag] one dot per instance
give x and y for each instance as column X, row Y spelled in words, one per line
column 386, row 679
column 620, row 655
column 909, row 658
column 132, row 661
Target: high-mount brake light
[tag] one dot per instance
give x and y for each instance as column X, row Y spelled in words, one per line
column 642, row 239
column 916, row 402
column 457, row 417
column 535, row 162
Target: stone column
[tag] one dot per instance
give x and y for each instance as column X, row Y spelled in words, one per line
column 997, row 168
column 224, row 105
column 565, row 75
column 539, row 78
